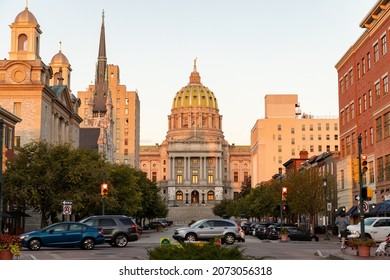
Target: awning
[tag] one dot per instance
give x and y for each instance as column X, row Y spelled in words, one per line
column 5, row 215
column 381, row 208
column 18, row 214
column 353, row 211
column 14, row 214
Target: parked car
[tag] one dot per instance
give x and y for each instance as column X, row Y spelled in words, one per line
column 301, row 235
column 118, row 230
column 155, row 225
column 65, row 234
column 261, row 230
column 273, row 231
column 376, row 228
column 207, row 229
column 245, row 227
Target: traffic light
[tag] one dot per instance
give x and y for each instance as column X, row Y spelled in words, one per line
column 104, row 190
column 364, row 193
column 284, row 193
column 370, row 193
column 363, row 163
column 355, row 164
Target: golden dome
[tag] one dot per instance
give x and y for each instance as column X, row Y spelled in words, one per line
column 26, row 17
column 195, row 94
column 59, row 58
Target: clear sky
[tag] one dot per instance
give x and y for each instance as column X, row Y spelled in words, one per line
column 245, row 49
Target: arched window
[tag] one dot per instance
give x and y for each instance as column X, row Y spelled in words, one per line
column 22, row 42
column 210, row 195
column 179, row 195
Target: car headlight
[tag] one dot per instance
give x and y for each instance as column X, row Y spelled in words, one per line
column 24, row 236
column 355, row 232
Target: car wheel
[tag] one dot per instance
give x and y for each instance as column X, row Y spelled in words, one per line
column 229, row 239
column 113, row 244
column 314, row 239
column 121, row 240
column 34, row 244
column 88, row 244
column 191, row 237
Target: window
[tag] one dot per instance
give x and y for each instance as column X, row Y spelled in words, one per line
column 364, row 66
column 292, row 130
column 210, row 177
column 319, row 137
column 384, row 45
column 9, row 137
column 336, row 148
column 126, row 111
column 126, row 101
column 387, row 167
column 385, row 82
column 370, row 98
column 358, row 71
column 377, row 91
column 336, row 126
column 327, row 137
column 279, row 127
column 371, row 135
column 280, row 148
column 22, row 42
column 327, row 126
column 342, row 185
column 347, row 112
column 311, row 137
column 235, row 178
column 246, row 177
column 311, row 149
column 319, row 127
column 179, row 177
column 126, row 121
column 336, row 137
column 352, row 107
column 126, row 131
column 369, row 60
column 126, row 152
column 341, row 86
column 346, row 81
column 303, row 127
column 311, row 127
column 303, row 137
column 280, row 137
column 378, row 129
column 380, row 169
column 319, row 148
column 17, row 109
column 328, row 148
column 179, row 195
column 360, row 105
column 154, row 176
column 292, row 141
column 351, row 77
column 365, row 138
column 126, row 141
column 376, row 52
column 386, row 120
column 195, row 176
column 17, row 141
column 365, row 102
column 342, row 120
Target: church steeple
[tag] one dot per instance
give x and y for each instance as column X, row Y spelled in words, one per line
column 101, row 74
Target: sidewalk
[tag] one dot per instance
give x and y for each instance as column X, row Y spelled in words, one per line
column 348, row 254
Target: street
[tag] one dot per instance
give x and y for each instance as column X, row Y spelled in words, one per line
column 253, row 247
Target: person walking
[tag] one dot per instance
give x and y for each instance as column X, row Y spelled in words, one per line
column 342, row 222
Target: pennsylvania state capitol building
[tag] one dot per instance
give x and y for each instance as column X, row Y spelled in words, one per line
column 195, row 165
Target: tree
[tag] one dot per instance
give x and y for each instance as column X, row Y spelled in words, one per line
column 43, row 175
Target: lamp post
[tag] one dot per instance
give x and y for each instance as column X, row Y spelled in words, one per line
column 361, row 213
column 281, row 197
column 324, row 184
column 1, row 173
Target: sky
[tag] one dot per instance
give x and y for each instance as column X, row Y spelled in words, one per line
column 245, row 50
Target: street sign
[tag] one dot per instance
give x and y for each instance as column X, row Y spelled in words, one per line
column 329, row 206
column 365, row 207
column 67, row 202
column 357, row 197
column 67, row 209
column 387, row 197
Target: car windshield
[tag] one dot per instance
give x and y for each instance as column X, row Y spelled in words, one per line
column 368, row 222
column 196, row 224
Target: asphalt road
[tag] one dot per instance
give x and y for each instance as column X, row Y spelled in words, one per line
column 253, row 247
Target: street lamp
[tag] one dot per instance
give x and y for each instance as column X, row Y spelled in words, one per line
column 324, row 183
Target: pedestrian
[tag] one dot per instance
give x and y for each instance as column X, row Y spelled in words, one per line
column 342, row 222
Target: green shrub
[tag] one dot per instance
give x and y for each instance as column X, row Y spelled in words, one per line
column 192, row 251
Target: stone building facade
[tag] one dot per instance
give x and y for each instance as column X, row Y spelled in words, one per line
column 195, row 165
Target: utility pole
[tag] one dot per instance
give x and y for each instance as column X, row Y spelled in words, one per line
column 361, row 210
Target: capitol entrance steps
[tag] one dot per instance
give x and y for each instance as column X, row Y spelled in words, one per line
column 186, row 213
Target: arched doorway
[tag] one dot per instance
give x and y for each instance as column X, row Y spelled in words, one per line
column 194, row 197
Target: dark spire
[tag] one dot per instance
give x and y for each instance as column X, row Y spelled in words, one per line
column 101, row 74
